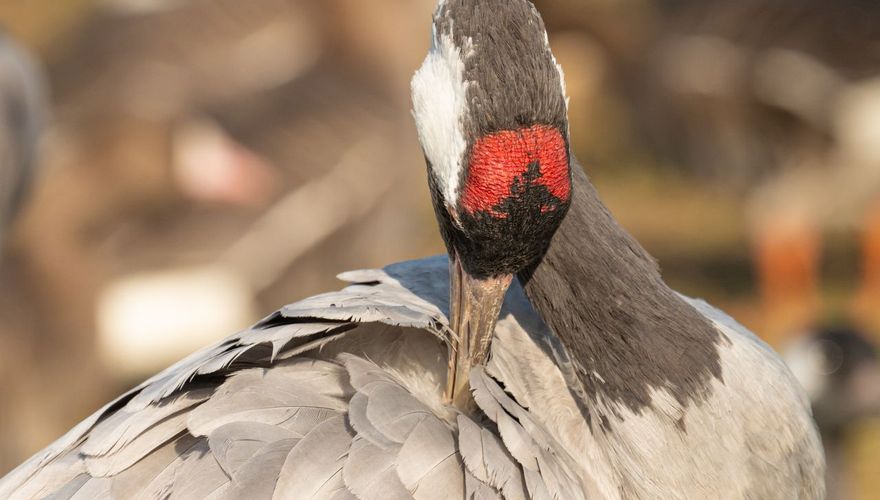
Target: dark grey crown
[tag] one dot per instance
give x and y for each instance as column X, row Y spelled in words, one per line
column 513, row 79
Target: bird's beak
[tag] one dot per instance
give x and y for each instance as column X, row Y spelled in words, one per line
column 474, row 305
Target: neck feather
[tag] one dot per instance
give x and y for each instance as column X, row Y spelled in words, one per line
column 626, row 332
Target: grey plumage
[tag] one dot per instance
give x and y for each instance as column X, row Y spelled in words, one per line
column 477, row 490
column 343, row 409
column 313, row 468
column 340, row 409
column 234, row 443
column 369, row 472
column 487, row 460
column 341, row 395
column 547, row 474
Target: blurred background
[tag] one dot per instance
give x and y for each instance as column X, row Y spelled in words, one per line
column 173, row 170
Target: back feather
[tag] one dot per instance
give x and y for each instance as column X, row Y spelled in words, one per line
column 336, row 397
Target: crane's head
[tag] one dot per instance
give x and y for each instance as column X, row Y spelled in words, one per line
column 490, row 107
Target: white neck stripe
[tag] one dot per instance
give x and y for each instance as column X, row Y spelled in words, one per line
column 439, row 95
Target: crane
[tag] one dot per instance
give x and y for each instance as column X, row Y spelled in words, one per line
column 543, row 357
column 22, row 113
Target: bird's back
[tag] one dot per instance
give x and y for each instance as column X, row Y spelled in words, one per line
column 340, row 396
column 337, row 396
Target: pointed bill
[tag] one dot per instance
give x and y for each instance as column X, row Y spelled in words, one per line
column 474, row 306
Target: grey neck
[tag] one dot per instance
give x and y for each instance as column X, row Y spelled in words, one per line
column 624, row 329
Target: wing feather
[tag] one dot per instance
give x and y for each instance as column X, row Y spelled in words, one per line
column 327, row 398
column 428, row 462
column 478, row 490
column 487, row 460
column 125, row 425
column 199, row 476
column 257, row 477
column 357, row 416
column 306, row 389
column 137, row 478
column 115, row 462
column 235, row 443
column 546, row 465
column 370, row 472
column 192, row 469
column 313, row 467
column 96, row 488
